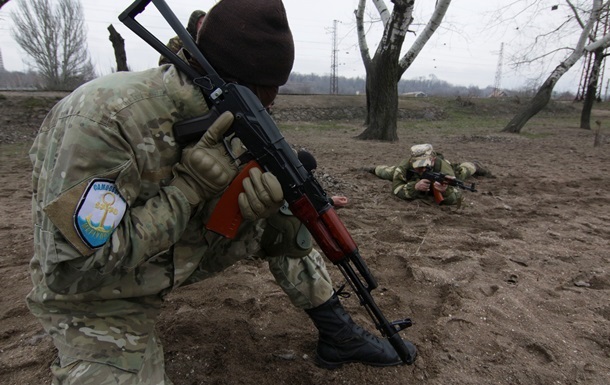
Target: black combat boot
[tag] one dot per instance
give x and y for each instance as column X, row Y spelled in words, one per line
column 342, row 341
column 481, row 171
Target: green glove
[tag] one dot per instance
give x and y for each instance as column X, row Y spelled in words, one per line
column 206, row 168
column 285, row 235
column 262, row 195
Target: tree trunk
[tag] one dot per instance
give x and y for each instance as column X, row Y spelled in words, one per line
column 539, row 101
column 2, row 2
column 591, row 93
column 544, row 93
column 368, row 102
column 118, row 43
column 382, row 100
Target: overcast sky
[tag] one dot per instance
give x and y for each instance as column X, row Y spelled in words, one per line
column 464, row 51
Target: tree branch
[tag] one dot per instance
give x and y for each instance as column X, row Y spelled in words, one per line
column 364, row 48
column 550, row 53
column 435, row 21
column 384, row 13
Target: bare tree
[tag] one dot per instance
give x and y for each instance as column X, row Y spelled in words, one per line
column 595, row 58
column 591, row 88
column 543, row 95
column 55, row 38
column 385, row 68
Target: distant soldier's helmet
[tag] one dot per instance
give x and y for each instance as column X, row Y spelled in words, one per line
column 422, row 155
column 191, row 26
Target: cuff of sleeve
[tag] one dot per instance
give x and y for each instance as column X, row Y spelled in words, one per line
column 191, row 196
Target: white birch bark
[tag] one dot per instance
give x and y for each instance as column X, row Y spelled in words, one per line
column 384, row 12
column 579, row 49
column 422, row 39
column 364, row 48
column 396, row 32
column 604, row 41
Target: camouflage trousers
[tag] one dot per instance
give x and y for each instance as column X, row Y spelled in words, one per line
column 462, row 171
column 81, row 372
column 305, row 280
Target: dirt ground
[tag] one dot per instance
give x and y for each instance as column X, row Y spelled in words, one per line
column 511, row 288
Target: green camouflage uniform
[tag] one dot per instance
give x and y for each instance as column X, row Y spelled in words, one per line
column 404, row 179
column 175, row 44
column 112, row 237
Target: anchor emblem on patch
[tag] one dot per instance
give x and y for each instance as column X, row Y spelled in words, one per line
column 99, row 212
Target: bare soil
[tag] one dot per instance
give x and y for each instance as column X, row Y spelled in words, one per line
column 511, row 288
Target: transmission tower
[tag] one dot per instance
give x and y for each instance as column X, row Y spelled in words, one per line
column 1, row 62
column 334, row 81
column 497, row 92
column 585, row 76
column 588, row 67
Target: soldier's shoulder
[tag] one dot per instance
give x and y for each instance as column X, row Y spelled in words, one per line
column 175, row 44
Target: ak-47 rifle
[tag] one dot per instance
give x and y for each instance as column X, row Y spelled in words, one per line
column 439, row 177
column 268, row 150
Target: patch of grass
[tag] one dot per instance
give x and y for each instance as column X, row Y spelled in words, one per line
column 536, row 135
column 33, row 102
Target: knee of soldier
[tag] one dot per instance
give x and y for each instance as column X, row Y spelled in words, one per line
column 285, row 235
column 385, row 172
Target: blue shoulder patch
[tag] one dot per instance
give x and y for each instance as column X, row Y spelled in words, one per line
column 99, row 212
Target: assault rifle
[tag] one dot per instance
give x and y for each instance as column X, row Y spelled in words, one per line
column 268, row 150
column 446, row 179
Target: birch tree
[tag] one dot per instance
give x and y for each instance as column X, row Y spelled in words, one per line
column 591, row 87
column 596, row 57
column 55, row 38
column 385, row 68
column 586, row 42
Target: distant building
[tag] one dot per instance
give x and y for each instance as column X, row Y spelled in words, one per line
column 498, row 94
column 417, row 94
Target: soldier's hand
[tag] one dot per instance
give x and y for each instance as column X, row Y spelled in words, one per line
column 440, row 187
column 423, row 185
column 206, row 168
column 263, row 195
column 339, row 200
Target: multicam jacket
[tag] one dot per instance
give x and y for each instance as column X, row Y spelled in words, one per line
column 405, row 178
column 111, row 236
column 174, row 44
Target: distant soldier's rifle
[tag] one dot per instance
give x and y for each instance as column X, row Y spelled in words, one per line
column 443, row 179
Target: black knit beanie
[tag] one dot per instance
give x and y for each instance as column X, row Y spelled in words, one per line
column 248, row 41
column 191, row 27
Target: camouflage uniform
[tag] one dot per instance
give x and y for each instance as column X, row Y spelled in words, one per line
column 404, row 178
column 175, row 44
column 112, row 237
